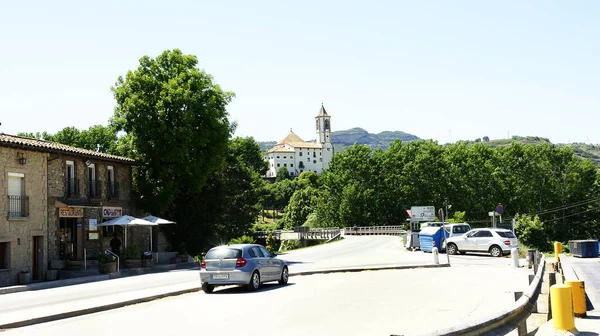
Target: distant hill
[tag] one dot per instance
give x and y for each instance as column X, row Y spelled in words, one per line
column 587, row 151
column 343, row 139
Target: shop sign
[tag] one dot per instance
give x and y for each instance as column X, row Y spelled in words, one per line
column 70, row 212
column 112, row 212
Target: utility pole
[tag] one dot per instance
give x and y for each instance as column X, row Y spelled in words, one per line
column 441, row 214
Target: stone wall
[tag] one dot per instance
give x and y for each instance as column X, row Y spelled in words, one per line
column 19, row 232
column 92, row 207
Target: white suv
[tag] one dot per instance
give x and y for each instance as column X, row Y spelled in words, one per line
column 497, row 242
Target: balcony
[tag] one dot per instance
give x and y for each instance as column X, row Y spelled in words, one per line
column 112, row 190
column 94, row 188
column 18, row 206
column 71, row 188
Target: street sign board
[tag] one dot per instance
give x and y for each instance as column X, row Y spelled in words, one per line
column 500, row 209
column 423, row 213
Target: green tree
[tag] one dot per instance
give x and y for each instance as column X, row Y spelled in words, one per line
column 530, row 232
column 301, row 205
column 177, row 126
column 282, row 174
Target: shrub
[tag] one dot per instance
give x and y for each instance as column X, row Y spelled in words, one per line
column 265, row 227
column 105, row 258
column 530, row 232
column 291, row 245
column 131, row 252
column 272, row 244
column 243, row 240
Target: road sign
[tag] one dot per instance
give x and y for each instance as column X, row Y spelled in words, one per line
column 500, row 209
column 423, row 213
column 409, row 213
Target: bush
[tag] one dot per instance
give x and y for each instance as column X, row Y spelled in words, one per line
column 243, row 240
column 105, row 258
column 264, row 227
column 530, row 232
column 291, row 245
column 131, row 252
column 272, row 244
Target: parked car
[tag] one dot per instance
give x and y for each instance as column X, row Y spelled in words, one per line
column 247, row 265
column 497, row 242
column 457, row 229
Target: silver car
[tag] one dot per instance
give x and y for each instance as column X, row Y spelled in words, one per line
column 241, row 264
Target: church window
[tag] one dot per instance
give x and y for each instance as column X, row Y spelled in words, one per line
column 278, row 156
column 285, row 157
column 315, row 161
column 314, row 154
column 278, row 165
column 320, row 159
column 327, row 124
column 285, row 164
column 328, row 149
column 291, row 165
column 300, row 153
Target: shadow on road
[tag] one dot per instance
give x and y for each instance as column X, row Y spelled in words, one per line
column 243, row 290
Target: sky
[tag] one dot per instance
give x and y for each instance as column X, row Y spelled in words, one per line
column 442, row 70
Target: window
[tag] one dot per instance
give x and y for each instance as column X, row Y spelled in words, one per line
column 483, row 234
column 4, row 255
column 506, row 234
column 17, row 201
column 278, row 165
column 71, row 184
column 300, row 153
column 285, row 157
column 254, row 252
column 292, row 174
column 320, row 159
column 111, row 181
column 314, row 154
column 265, row 252
column 224, row 253
column 328, row 149
column 92, row 180
column 301, row 170
column 292, row 165
column 315, row 161
column 278, row 156
column 271, row 165
column 472, row 233
column 285, row 164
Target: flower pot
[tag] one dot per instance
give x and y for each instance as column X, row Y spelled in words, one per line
column 107, row 268
column 51, row 275
column 24, row 278
column 132, row 263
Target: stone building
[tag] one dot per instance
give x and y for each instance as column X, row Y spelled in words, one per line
column 68, row 191
column 23, row 212
column 298, row 155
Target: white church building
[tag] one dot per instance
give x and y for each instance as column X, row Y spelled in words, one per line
column 298, row 155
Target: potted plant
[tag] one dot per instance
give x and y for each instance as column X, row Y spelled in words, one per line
column 131, row 256
column 106, row 263
column 24, row 277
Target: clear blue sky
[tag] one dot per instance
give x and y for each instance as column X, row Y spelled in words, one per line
column 446, row 70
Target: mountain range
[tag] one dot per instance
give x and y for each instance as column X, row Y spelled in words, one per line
column 343, row 139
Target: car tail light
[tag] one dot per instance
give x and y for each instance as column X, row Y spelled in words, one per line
column 240, row 262
column 203, row 264
column 507, row 242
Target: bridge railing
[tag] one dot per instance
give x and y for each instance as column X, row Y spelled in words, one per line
column 315, row 233
column 392, row 230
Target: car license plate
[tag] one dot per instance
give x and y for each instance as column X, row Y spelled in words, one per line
column 220, row 276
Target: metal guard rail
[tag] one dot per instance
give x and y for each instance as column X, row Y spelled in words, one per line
column 507, row 320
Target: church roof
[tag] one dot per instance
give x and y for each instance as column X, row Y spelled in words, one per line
column 280, row 150
column 292, row 137
column 322, row 112
column 305, row 144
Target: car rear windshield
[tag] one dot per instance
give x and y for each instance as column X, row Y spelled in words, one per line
column 506, row 234
column 224, row 253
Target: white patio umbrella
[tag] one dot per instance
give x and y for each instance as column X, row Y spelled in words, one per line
column 157, row 221
column 126, row 221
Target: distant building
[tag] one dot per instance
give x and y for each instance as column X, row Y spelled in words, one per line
column 298, row 155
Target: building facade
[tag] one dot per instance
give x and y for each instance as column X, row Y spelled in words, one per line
column 54, row 197
column 23, row 222
column 298, row 155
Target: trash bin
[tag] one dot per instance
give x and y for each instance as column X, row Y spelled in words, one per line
column 430, row 237
column 584, row 248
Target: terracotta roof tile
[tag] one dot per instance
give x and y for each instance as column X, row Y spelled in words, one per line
column 47, row 146
column 292, row 137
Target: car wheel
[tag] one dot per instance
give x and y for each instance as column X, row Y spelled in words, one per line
column 496, row 251
column 284, row 276
column 452, row 249
column 207, row 288
column 254, row 281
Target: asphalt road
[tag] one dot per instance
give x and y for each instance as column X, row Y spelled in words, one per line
column 367, row 303
column 401, row 302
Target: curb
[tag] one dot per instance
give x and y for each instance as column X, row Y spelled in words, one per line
column 366, row 268
column 65, row 315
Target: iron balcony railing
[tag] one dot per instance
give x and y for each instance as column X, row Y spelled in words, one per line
column 71, row 188
column 18, row 206
column 112, row 190
column 94, row 188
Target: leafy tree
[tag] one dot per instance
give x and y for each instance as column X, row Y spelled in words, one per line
column 486, row 139
column 458, row 217
column 282, row 174
column 177, row 126
column 97, row 138
column 302, row 204
column 242, row 240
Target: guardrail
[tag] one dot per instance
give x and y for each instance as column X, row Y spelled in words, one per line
column 508, row 319
column 392, row 230
column 316, row 233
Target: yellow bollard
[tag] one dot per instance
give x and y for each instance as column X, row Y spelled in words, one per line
column 562, row 307
column 557, row 250
column 578, row 293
